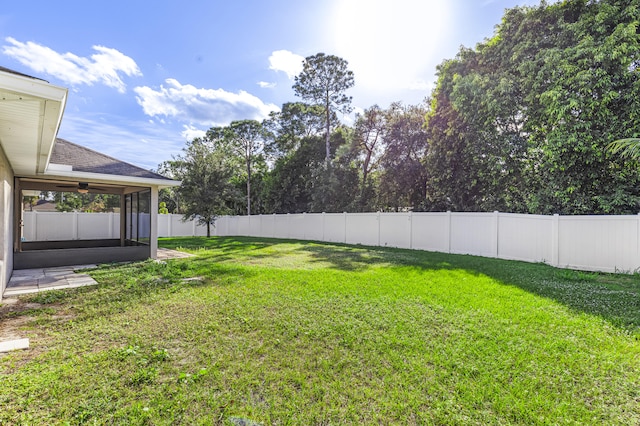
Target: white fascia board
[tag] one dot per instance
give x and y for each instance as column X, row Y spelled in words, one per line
column 50, row 123
column 115, row 179
column 32, row 87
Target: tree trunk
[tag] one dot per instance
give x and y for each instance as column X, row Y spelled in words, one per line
column 248, row 188
column 328, row 131
column 208, row 229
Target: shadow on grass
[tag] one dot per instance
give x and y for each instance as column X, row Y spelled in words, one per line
column 224, row 248
column 614, row 297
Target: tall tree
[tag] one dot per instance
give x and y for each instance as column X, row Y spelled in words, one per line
column 323, row 81
column 289, row 126
column 369, row 137
column 522, row 122
column 245, row 138
column 206, row 189
column 288, row 187
column 403, row 175
column 336, row 188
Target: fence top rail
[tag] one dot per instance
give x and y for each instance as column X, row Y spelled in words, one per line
column 600, row 217
column 471, row 214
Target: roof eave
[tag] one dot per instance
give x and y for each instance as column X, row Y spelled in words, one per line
column 52, row 101
column 114, row 179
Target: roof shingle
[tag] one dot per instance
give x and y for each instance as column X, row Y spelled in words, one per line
column 10, row 71
column 83, row 159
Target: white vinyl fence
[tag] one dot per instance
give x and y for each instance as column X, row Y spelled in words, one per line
column 60, row 226
column 596, row 243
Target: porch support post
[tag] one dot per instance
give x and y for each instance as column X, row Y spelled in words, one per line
column 17, row 216
column 153, row 236
column 123, row 219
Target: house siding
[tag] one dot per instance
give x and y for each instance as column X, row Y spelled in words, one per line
column 6, row 221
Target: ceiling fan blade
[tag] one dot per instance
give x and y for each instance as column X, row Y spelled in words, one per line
column 82, row 187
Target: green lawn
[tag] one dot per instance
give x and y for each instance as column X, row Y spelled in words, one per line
column 286, row 332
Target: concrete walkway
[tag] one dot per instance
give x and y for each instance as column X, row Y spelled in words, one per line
column 25, row 281
column 165, row 253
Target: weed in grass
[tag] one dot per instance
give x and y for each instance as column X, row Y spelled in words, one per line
column 581, row 276
column 48, row 297
column 192, row 378
column 143, row 376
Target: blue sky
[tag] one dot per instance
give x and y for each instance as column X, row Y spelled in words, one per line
column 145, row 77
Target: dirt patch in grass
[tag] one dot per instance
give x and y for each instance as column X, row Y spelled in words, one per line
column 12, row 328
column 19, row 319
column 15, row 314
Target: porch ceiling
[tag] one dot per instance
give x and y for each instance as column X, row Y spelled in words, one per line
column 30, row 114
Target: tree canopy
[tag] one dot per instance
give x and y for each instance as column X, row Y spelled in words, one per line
column 206, row 189
column 323, row 81
column 531, row 120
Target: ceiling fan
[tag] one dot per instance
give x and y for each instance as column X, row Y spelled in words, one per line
column 82, row 188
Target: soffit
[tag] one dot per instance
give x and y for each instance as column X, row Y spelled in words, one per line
column 30, row 115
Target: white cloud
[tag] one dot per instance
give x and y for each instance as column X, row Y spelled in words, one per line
column 266, row 85
column 190, row 132
column 105, row 67
column 287, row 62
column 202, row 106
column 137, row 142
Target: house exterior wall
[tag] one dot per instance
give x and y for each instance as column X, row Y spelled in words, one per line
column 6, row 221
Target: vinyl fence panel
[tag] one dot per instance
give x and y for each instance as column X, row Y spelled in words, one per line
column 362, row 228
column 603, row 243
column 395, row 230
column 473, row 233
column 525, row 237
column 97, row 226
column 598, row 243
column 431, row 231
column 334, row 227
column 178, row 227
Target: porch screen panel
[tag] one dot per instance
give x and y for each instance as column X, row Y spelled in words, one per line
column 138, row 217
column 144, row 216
column 127, row 217
column 134, row 216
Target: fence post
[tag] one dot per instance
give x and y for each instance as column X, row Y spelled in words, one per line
column 411, row 230
column 344, row 214
column 448, row 231
column 74, row 225
column 323, row 225
column 496, row 228
column 288, row 232
column 378, row 219
column 555, row 240
column 638, row 246
column 304, row 225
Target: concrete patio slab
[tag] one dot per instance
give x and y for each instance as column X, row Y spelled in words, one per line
column 27, row 281
column 14, row 345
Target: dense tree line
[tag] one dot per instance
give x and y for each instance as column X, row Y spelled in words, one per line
column 519, row 123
